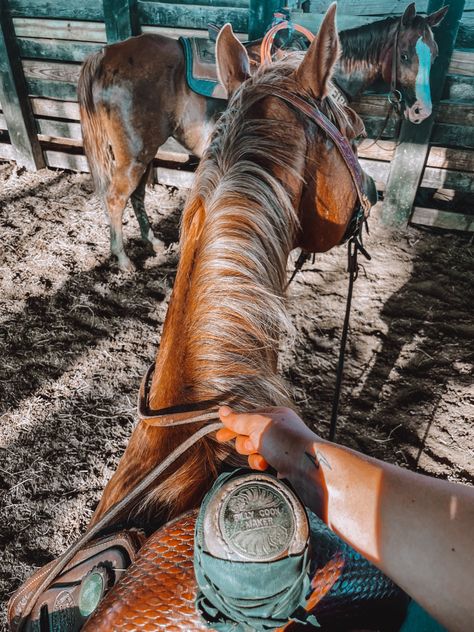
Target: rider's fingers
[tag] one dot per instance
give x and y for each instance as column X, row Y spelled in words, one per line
column 243, row 423
column 225, row 434
column 244, row 445
column 257, row 462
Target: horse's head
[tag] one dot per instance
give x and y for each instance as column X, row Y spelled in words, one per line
column 415, row 50
column 323, row 176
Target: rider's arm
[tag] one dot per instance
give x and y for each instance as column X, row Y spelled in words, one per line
column 418, row 530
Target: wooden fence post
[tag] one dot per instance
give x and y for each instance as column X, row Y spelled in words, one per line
column 260, row 16
column 121, row 19
column 410, row 156
column 14, row 97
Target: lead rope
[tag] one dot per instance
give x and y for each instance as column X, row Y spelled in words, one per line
column 354, row 246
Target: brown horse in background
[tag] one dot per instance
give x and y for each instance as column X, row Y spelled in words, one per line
column 133, row 96
column 265, row 185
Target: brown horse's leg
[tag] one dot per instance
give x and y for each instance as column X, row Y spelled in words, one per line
column 124, row 182
column 138, row 203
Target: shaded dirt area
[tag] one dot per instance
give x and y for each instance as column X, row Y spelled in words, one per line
column 76, row 336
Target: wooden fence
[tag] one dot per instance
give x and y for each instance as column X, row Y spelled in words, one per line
column 429, row 167
column 42, row 44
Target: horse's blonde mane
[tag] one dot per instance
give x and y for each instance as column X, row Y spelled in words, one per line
column 235, row 307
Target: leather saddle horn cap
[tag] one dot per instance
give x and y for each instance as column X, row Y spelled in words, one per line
column 251, row 553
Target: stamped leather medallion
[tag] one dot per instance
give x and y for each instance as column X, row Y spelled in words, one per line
column 256, row 521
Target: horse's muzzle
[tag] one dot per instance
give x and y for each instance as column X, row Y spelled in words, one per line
column 418, row 112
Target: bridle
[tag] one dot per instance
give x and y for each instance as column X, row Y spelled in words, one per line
column 395, row 97
column 311, row 111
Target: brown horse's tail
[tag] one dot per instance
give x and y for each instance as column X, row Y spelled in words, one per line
column 94, row 134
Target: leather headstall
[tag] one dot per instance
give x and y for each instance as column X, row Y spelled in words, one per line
column 344, row 147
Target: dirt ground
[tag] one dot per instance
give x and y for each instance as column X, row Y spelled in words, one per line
column 76, row 336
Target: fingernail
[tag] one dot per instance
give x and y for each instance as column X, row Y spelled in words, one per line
column 248, row 445
column 224, row 411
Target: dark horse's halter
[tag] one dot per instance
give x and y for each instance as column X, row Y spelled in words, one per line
column 180, row 415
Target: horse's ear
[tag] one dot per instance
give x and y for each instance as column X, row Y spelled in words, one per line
column 409, row 14
column 435, row 18
column 233, row 65
column 317, row 67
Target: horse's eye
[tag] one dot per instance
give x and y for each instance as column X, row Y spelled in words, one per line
column 404, row 57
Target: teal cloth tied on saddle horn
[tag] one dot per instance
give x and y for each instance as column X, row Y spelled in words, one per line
column 252, row 554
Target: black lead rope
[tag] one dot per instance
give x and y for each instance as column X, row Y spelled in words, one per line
column 354, row 246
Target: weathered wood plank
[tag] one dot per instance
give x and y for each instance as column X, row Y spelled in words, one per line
column 66, row 9
column 442, row 219
column 465, row 38
column 446, row 158
column 14, row 98
column 453, row 135
column 374, row 125
column 51, row 70
column 7, row 152
column 59, row 129
column 462, row 63
column 447, row 179
column 369, row 7
column 175, row 33
column 53, row 89
column 121, row 19
column 233, row 4
column 459, row 88
column 432, row 178
column 312, row 21
column 3, row 123
column 438, row 157
column 62, row 160
column 191, row 16
column 174, row 177
column 59, row 50
column 60, row 29
column 410, row 155
column 55, row 109
column 451, row 113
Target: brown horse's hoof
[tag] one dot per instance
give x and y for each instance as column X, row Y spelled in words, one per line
column 125, row 264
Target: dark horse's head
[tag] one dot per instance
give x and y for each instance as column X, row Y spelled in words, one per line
column 415, row 51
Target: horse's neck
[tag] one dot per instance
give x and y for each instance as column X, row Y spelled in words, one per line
column 169, row 378
column 215, row 345
column 360, row 65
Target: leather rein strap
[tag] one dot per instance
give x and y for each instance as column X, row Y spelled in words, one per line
column 162, row 420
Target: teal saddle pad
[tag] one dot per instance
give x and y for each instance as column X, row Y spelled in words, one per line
column 201, row 72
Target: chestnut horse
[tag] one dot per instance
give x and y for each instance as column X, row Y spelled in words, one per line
column 133, row 96
column 265, row 185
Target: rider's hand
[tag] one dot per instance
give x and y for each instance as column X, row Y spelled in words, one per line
column 274, row 436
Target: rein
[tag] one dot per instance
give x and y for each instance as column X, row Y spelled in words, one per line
column 165, row 420
column 353, row 234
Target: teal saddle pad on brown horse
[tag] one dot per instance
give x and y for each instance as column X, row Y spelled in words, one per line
column 201, row 70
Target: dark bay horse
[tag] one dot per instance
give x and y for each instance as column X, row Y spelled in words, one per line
column 265, row 185
column 133, row 96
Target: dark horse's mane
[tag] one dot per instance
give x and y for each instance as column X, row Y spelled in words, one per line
column 365, row 43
